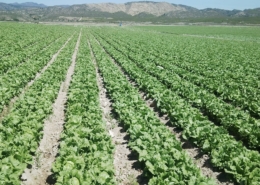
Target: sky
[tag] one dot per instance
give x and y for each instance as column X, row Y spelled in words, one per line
column 223, row 4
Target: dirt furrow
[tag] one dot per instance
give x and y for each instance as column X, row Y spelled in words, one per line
column 199, row 158
column 7, row 108
column 126, row 164
column 41, row 169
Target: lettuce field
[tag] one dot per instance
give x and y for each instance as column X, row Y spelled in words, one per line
column 158, row 105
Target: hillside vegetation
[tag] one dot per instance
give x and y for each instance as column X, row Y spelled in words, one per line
column 143, row 11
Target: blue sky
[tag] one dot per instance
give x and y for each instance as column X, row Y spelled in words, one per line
column 224, row 4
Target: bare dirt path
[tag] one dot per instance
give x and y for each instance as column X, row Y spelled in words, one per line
column 7, row 108
column 201, row 160
column 48, row 148
column 127, row 171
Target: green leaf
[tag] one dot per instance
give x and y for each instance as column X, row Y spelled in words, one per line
column 150, row 167
column 102, row 178
column 74, row 181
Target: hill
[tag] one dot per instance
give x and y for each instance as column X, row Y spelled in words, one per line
column 142, row 11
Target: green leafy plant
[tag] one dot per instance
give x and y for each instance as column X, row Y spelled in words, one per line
column 165, row 161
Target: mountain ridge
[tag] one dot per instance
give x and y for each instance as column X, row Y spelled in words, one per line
column 28, row 4
column 138, row 11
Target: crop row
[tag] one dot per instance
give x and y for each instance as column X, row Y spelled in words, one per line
column 158, row 149
column 9, row 62
column 235, row 59
column 21, row 129
column 238, row 92
column 246, row 33
column 237, row 122
column 225, row 152
column 15, row 79
column 17, row 37
column 86, row 151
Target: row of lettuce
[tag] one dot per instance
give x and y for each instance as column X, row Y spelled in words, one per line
column 236, row 121
column 162, row 155
column 16, row 58
column 16, row 37
column 86, row 151
column 228, row 69
column 26, row 48
column 21, row 129
column 13, row 82
column 225, row 152
column 246, row 34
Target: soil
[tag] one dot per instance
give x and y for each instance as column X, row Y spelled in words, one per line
column 199, row 158
column 53, row 126
column 127, row 171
